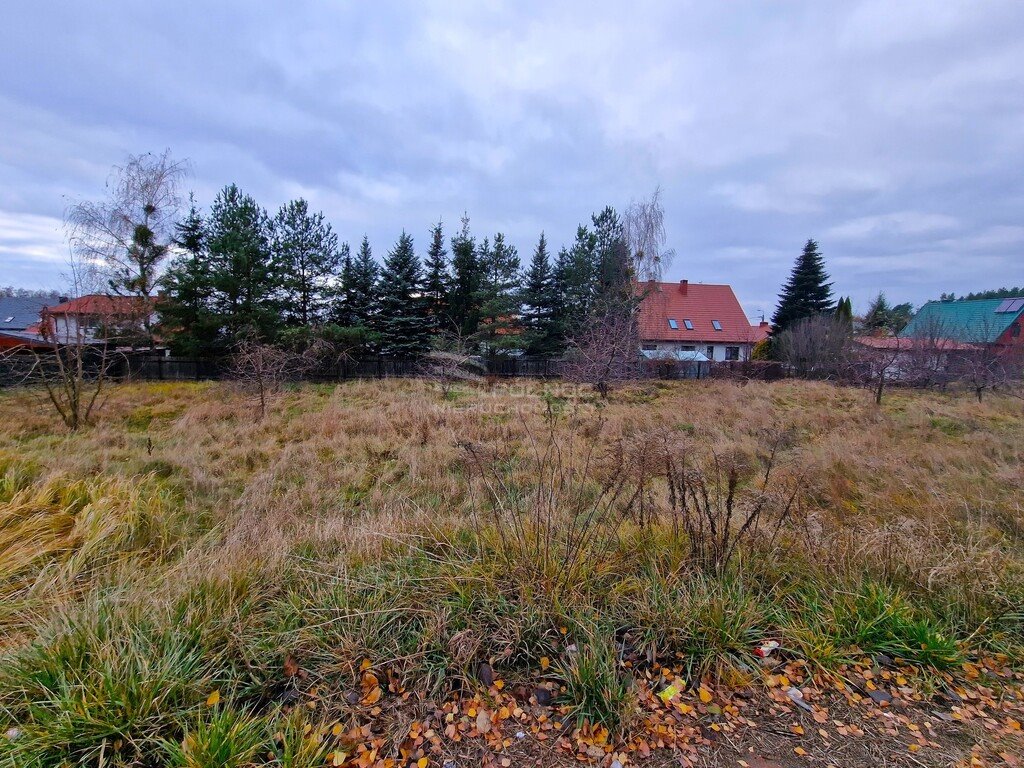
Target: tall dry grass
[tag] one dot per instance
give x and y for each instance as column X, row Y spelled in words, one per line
column 431, row 532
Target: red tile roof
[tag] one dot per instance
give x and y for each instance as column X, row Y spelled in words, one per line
column 699, row 303
column 98, row 304
column 907, row 344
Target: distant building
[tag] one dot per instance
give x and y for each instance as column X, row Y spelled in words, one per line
column 686, row 317
column 96, row 318
column 19, row 320
column 979, row 322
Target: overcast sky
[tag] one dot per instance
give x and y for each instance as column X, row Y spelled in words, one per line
column 891, row 132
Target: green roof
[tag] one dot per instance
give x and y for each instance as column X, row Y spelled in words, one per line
column 968, row 321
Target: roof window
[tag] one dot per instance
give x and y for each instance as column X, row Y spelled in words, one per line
column 9, row 319
column 716, row 325
column 688, row 324
column 673, row 324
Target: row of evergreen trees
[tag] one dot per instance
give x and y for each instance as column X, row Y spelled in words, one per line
column 286, row 277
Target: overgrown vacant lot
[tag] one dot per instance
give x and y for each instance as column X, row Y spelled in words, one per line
column 375, row 574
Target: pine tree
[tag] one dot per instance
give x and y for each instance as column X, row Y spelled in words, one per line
column 807, row 293
column 244, row 277
column 437, row 280
column 540, row 304
column 306, row 249
column 186, row 322
column 358, row 288
column 402, row 319
column 499, row 304
column 577, row 281
column 464, row 297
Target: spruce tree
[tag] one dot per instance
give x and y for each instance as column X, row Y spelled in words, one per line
column 577, row 281
column 306, row 250
column 499, row 302
column 464, row 297
column 879, row 315
column 402, row 317
column 339, row 314
column 358, row 288
column 613, row 270
column 540, row 304
column 436, row 280
column 186, row 322
column 244, row 278
column 807, row 293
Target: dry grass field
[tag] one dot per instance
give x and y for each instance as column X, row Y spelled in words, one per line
column 376, row 574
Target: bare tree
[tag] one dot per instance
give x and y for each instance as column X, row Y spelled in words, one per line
column 606, row 351
column 644, row 230
column 818, row 347
column 930, row 354
column 260, row 370
column 69, row 366
column 128, row 234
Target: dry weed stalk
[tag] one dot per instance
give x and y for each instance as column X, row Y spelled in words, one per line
column 723, row 500
column 561, row 520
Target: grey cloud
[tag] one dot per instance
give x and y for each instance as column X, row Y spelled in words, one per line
column 889, row 132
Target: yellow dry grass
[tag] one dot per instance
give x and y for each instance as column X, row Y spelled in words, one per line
column 928, row 483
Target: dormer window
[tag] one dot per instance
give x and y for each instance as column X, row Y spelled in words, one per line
column 673, row 324
column 716, row 325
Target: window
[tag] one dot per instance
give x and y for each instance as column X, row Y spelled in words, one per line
column 688, row 324
column 717, row 325
column 687, row 349
column 673, row 324
column 8, row 319
column 710, row 352
column 732, row 353
column 649, row 347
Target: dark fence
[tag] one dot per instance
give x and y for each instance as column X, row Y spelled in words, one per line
column 147, row 367
column 155, row 368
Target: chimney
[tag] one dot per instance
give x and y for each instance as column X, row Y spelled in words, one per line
column 763, row 323
column 683, row 284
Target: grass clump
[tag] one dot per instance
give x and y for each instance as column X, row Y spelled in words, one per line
column 108, row 680
column 222, row 738
column 598, row 690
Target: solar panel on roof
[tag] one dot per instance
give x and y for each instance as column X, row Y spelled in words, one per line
column 1010, row 305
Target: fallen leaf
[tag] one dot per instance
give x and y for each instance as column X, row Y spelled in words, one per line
column 213, row 699
column 373, row 696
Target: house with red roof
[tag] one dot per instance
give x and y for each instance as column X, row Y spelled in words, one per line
column 695, row 318
column 95, row 318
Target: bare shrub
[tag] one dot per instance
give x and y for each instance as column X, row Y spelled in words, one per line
column 69, row 365
column 259, row 369
column 723, row 500
column 818, row 347
column 605, row 353
column 552, row 521
column 451, row 363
